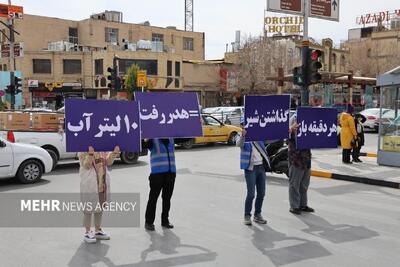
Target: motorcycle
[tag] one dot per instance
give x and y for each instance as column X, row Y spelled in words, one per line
column 278, row 156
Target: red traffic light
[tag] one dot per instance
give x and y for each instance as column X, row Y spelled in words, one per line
column 315, row 54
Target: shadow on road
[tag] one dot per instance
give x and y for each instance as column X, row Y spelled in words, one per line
column 166, row 243
column 275, row 180
column 13, row 184
column 90, row 254
column 73, row 167
column 282, row 249
column 335, row 233
column 354, row 188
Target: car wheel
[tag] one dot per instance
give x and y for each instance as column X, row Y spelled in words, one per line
column 30, row 172
column 188, row 144
column 232, row 139
column 53, row 156
column 129, row 157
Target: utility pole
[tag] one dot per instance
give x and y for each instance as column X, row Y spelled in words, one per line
column 12, row 60
column 305, row 56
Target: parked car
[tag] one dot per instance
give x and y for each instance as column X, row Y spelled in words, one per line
column 25, row 162
column 372, row 115
column 214, row 131
column 227, row 115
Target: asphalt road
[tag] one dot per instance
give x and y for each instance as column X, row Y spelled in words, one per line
column 354, row 224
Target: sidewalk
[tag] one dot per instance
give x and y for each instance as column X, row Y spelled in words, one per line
column 328, row 164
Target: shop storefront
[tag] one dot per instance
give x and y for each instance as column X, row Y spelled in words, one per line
column 51, row 97
column 389, row 128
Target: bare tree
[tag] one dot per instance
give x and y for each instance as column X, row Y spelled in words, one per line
column 259, row 60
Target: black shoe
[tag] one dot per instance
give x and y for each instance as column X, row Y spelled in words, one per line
column 358, row 160
column 307, row 209
column 167, row 225
column 296, row 211
column 149, row 227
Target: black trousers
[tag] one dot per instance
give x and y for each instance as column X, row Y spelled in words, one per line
column 160, row 182
column 346, row 155
column 356, row 152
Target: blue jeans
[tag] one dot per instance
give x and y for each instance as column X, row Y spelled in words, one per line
column 255, row 179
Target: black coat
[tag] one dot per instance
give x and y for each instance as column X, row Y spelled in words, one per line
column 360, row 135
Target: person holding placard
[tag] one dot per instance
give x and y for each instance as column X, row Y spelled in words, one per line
column 162, row 178
column 299, row 172
column 253, row 156
column 95, row 189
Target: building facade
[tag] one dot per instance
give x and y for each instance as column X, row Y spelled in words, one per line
column 65, row 58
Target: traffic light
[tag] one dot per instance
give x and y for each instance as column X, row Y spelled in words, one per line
column 313, row 66
column 18, row 85
column 112, row 77
column 118, row 84
column 9, row 89
column 298, row 76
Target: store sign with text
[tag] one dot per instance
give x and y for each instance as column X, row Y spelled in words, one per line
column 373, row 18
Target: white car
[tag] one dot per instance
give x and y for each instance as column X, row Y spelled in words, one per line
column 372, row 115
column 25, row 162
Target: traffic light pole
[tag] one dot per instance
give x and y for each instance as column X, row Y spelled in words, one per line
column 12, row 60
column 304, row 57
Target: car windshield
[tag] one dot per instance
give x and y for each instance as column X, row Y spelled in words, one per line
column 391, row 114
column 211, row 121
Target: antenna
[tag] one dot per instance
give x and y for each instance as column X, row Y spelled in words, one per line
column 189, row 15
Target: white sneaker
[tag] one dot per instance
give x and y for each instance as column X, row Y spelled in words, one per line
column 89, row 237
column 100, row 235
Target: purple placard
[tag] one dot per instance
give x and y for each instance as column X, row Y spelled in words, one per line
column 169, row 115
column 317, row 128
column 267, row 117
column 102, row 124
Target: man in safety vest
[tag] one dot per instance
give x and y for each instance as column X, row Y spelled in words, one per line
column 253, row 157
column 162, row 178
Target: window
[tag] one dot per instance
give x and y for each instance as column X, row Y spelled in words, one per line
column 72, row 66
column 157, row 37
column 211, row 121
column 73, row 35
column 177, row 69
column 111, row 35
column 177, row 73
column 41, row 66
column 169, row 68
column 188, row 44
column 151, row 66
column 98, row 66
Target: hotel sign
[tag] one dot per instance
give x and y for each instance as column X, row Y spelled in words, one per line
column 289, row 25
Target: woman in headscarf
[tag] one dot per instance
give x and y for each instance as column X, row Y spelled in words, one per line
column 348, row 133
column 358, row 120
column 95, row 189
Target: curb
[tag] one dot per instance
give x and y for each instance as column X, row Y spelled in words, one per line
column 366, row 154
column 349, row 178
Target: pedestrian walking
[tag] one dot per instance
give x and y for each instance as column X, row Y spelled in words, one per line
column 348, row 133
column 162, row 178
column 299, row 172
column 95, row 189
column 358, row 121
column 253, row 157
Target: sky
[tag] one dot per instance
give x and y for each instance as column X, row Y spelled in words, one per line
column 219, row 19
